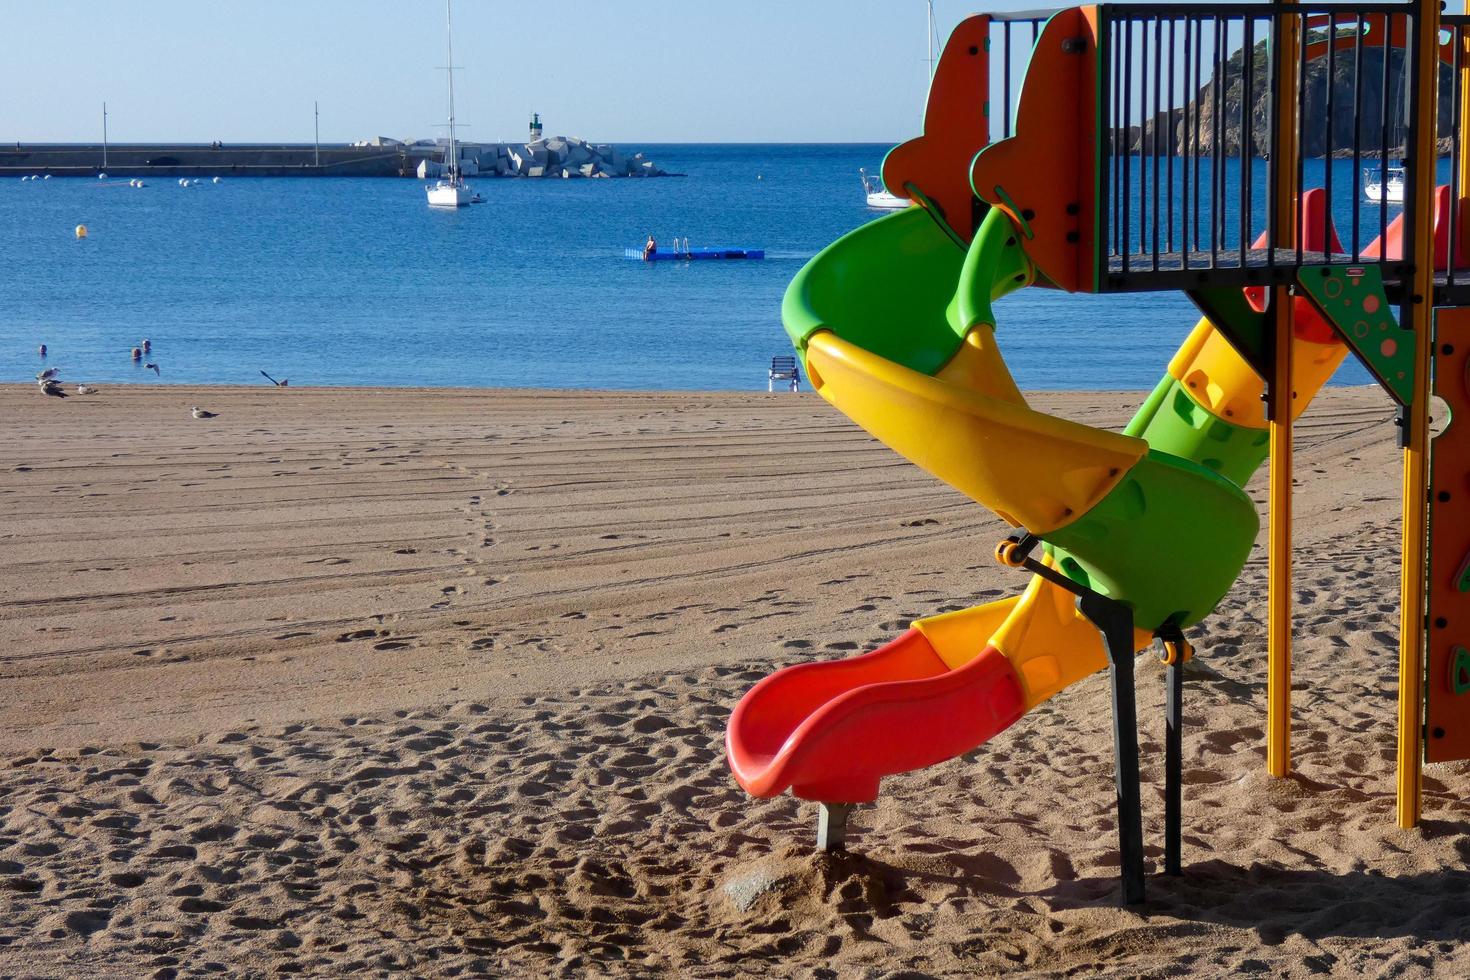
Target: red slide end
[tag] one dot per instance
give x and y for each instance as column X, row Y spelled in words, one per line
column 830, row 731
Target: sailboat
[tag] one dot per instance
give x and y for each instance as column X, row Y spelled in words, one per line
column 1387, row 183
column 450, row 190
column 877, row 195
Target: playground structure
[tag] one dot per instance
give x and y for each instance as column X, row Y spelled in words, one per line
column 1135, row 162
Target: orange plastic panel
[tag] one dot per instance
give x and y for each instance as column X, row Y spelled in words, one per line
column 1378, row 30
column 1395, row 234
column 1447, row 687
column 956, row 127
column 1307, row 323
column 1044, row 175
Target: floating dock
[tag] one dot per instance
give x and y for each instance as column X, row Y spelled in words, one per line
column 694, row 254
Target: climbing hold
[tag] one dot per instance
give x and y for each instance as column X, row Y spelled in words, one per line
column 1460, row 670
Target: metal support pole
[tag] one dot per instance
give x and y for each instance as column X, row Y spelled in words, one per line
column 1420, row 314
column 316, row 116
column 1278, row 549
column 1173, row 767
column 1279, row 403
column 832, row 826
column 104, row 136
column 1115, row 621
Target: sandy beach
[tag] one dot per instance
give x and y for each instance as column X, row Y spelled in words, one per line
column 434, row 683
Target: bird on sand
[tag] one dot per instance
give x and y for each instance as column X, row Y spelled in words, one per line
column 154, row 368
column 48, row 374
column 50, row 387
column 87, row 390
column 279, row 384
column 200, row 413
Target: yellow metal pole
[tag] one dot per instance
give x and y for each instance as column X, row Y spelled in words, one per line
column 1416, row 450
column 1278, row 553
column 1464, row 108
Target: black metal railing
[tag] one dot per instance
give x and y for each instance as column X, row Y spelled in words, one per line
column 1191, row 142
column 1012, row 38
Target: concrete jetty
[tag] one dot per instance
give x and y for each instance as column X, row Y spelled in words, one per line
column 380, row 157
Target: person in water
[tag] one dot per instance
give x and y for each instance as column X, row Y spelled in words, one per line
column 649, row 248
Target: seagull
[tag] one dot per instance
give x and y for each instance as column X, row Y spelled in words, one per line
column 200, row 413
column 154, row 367
column 52, row 388
column 86, row 390
column 48, row 374
column 279, row 384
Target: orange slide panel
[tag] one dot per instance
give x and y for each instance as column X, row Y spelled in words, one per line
column 1044, row 175
column 956, row 127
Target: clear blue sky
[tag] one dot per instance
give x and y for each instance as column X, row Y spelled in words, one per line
column 645, row 70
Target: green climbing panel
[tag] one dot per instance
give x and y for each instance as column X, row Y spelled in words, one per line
column 1351, row 298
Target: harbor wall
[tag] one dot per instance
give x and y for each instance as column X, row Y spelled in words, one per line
column 204, row 160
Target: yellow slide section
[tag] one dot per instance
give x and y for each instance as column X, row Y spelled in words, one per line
column 1049, row 643
column 969, row 427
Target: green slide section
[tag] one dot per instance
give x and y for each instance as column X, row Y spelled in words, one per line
column 1172, row 421
column 1188, row 488
column 901, row 288
column 1132, row 545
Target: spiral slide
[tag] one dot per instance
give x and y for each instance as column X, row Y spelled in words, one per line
column 896, row 326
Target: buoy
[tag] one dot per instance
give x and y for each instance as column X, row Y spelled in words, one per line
column 137, row 353
column 81, row 231
column 47, row 177
column 101, row 176
column 216, row 180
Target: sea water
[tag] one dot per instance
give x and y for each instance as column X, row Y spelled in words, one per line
column 343, row 281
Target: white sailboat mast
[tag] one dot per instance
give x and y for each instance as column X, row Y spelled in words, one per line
column 453, row 161
column 932, row 32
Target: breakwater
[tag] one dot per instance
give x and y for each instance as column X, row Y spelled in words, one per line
column 213, row 160
column 383, row 158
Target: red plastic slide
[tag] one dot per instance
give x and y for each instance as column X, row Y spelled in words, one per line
column 830, row 731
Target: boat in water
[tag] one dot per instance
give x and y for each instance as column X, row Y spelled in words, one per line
column 1378, row 190
column 450, row 190
column 878, row 196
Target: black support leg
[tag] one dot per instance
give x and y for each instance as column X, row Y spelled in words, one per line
column 1115, row 621
column 1173, row 767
